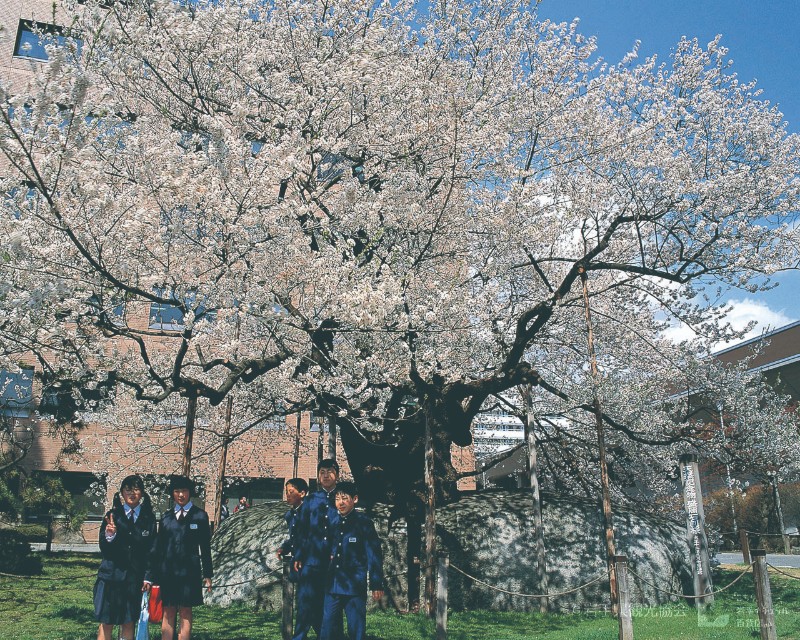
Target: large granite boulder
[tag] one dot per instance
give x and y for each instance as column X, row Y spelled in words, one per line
column 489, row 537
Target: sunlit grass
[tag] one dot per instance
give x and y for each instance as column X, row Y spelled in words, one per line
column 58, row 606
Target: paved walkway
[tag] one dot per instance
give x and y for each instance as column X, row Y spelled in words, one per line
column 775, row 559
column 83, row 548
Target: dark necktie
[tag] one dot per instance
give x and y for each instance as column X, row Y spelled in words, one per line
column 130, row 516
column 181, row 513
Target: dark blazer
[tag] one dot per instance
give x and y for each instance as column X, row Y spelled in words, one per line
column 317, row 516
column 356, row 552
column 125, row 557
column 183, row 549
column 292, row 517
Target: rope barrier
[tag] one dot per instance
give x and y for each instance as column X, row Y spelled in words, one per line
column 235, row 584
column 528, row 595
column 94, row 575
column 757, row 533
column 11, row 575
column 683, row 595
column 788, row 575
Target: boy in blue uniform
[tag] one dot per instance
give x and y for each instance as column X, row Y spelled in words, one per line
column 317, row 516
column 355, row 556
column 296, row 490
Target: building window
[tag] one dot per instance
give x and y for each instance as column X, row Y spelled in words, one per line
column 166, row 316
column 86, row 491
column 24, row 198
column 330, row 167
column 16, row 393
column 170, row 317
column 32, row 38
column 256, row 490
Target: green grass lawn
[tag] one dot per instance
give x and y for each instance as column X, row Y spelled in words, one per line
column 60, row 608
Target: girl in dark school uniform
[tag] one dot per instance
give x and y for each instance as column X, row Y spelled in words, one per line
column 181, row 560
column 126, row 538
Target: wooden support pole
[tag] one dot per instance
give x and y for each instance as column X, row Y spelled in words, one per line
column 188, row 436
column 623, row 589
column 766, row 614
column 48, row 547
column 533, row 481
column 776, row 496
column 605, row 482
column 223, row 463
column 223, row 458
column 320, row 439
column 332, row 437
column 441, row 597
column 744, row 541
column 296, row 457
column 430, row 521
column 288, row 600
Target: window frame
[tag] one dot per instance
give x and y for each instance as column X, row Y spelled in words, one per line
column 24, row 26
column 21, row 406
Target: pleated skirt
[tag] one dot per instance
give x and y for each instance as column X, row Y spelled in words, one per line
column 117, row 602
column 186, row 592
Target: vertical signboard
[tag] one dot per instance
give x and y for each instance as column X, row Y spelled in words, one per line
column 695, row 528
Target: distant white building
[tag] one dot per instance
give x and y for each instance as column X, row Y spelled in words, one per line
column 495, row 431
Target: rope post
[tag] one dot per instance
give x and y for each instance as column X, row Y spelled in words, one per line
column 441, row 597
column 624, row 594
column 766, row 614
column 288, row 600
column 49, row 545
column 744, row 540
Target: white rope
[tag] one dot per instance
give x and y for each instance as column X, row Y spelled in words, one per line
column 528, row 595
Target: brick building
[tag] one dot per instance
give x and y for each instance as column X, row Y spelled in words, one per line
column 99, row 455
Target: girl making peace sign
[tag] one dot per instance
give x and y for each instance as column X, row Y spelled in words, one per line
column 126, row 538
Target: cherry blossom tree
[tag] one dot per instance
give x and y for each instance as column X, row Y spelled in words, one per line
column 377, row 213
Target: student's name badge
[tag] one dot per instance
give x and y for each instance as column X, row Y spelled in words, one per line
column 193, row 525
column 352, row 540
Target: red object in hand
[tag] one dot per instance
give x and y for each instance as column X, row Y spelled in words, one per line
column 154, row 607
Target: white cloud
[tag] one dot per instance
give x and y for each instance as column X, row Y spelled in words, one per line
column 741, row 314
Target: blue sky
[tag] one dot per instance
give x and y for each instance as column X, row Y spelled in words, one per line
column 763, row 41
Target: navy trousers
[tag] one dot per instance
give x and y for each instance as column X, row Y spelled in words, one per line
column 310, row 596
column 355, row 610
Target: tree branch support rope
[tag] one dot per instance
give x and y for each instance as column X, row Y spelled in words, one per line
column 71, row 578
column 783, row 573
column 683, row 595
column 600, row 577
column 94, row 575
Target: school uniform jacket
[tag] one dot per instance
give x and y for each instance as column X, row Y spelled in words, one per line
column 292, row 517
column 182, row 552
column 317, row 517
column 126, row 556
column 355, row 554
